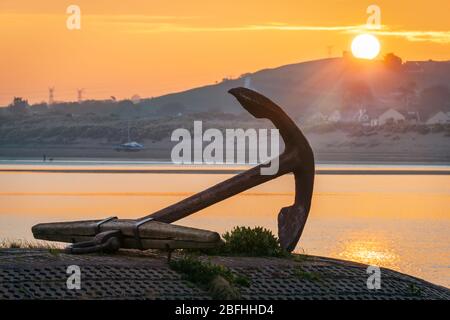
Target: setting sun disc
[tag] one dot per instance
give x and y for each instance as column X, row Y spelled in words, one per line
column 365, row 46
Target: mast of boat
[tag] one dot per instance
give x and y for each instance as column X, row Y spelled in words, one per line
column 128, row 130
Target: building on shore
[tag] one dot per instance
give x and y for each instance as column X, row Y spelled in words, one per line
column 439, row 118
column 379, row 117
column 390, row 115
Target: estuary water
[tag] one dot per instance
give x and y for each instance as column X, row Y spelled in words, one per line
column 392, row 216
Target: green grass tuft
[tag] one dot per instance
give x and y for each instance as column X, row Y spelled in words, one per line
column 306, row 275
column 220, row 281
column 297, row 257
column 414, row 290
column 250, row 242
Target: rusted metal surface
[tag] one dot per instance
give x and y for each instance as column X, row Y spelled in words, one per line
column 39, row 274
column 297, row 158
column 91, row 236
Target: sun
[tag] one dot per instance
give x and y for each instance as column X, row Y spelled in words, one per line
column 365, row 46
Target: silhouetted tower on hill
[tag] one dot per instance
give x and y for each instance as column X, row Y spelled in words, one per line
column 51, row 92
column 80, row 94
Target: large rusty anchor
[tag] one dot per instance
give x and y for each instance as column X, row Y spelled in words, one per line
column 155, row 230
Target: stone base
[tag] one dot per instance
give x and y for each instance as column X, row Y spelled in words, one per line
column 41, row 274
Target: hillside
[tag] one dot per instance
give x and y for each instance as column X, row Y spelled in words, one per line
column 323, row 85
column 301, row 89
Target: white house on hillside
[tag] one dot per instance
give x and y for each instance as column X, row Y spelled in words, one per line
column 439, row 118
column 335, row 116
column 390, row 115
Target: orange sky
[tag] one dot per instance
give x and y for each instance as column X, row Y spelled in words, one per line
column 150, row 47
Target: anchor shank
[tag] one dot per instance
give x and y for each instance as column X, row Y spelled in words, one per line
column 222, row 191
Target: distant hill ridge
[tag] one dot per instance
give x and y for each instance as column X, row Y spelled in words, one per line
column 326, row 85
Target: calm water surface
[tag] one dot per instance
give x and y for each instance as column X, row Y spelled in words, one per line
column 398, row 219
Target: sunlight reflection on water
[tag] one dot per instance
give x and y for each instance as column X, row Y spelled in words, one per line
column 377, row 251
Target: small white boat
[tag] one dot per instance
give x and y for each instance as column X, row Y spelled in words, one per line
column 130, row 146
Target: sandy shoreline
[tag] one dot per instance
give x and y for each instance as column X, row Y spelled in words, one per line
column 333, row 147
column 163, row 156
